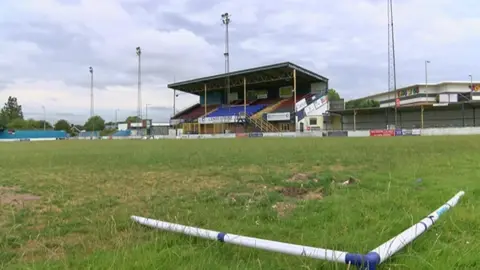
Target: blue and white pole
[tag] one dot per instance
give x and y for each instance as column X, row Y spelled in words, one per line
column 312, row 252
column 369, row 261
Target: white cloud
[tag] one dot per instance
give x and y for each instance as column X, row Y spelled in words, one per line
column 47, row 46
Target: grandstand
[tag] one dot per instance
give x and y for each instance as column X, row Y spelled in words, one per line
column 264, row 99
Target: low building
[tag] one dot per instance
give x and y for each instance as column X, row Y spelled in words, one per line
column 418, row 94
column 445, row 104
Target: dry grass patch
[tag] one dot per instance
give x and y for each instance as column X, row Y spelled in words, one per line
column 284, row 208
column 10, row 196
column 297, row 193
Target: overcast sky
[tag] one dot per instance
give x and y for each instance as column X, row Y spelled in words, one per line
column 46, row 47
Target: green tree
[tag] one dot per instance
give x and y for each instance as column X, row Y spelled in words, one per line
column 31, row 124
column 17, row 123
column 62, row 125
column 362, row 103
column 95, row 123
column 11, row 110
column 48, row 125
column 3, row 122
column 333, row 95
column 132, row 119
column 37, row 124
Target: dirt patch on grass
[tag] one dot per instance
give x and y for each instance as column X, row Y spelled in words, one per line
column 301, row 178
column 337, row 168
column 49, row 249
column 298, row 177
column 9, row 195
column 255, row 169
column 284, row 208
column 301, row 193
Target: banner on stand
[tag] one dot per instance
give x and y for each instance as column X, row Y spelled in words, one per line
column 382, row 133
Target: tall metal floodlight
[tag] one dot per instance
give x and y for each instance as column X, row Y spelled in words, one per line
column 392, row 75
column 139, row 97
column 92, row 110
column 91, row 91
column 226, row 22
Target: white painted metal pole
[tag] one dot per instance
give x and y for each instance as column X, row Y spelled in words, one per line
column 312, row 252
column 398, row 242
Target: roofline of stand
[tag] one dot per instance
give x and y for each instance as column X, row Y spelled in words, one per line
column 417, row 85
column 249, row 71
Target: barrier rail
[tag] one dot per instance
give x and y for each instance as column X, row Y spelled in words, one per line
column 326, row 133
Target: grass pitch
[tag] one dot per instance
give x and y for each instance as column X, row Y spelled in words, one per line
column 66, row 204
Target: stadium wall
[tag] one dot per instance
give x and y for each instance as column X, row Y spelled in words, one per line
column 32, row 134
column 337, row 133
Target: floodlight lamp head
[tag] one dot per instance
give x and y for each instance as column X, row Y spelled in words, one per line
column 226, row 18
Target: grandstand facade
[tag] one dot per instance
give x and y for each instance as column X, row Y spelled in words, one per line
column 274, row 98
column 445, row 104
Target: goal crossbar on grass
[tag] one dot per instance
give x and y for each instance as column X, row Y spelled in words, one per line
column 363, row 261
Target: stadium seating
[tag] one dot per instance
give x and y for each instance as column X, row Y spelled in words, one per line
column 196, row 112
column 235, row 110
column 288, row 105
column 236, row 102
column 268, row 101
column 122, row 133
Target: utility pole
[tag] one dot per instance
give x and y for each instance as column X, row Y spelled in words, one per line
column 426, row 78
column 92, row 112
column 174, row 98
column 226, row 21
column 146, row 118
column 392, row 75
column 44, row 118
column 471, row 84
column 146, row 111
column 139, row 93
column 116, row 118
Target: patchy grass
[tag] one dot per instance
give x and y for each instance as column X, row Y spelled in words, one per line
column 66, row 204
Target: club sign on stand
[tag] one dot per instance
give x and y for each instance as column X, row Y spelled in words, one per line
column 382, row 132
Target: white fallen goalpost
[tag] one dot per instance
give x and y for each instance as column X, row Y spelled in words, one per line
column 368, row 261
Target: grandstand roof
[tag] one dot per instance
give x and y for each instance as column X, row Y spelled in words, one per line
column 258, row 75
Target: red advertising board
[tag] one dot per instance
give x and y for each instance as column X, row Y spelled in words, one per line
column 382, row 132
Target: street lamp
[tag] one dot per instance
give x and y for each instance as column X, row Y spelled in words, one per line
column 116, row 118
column 44, row 118
column 426, row 78
column 471, row 82
column 175, row 96
column 146, row 110
column 226, row 21
column 146, row 119
column 92, row 112
column 139, row 91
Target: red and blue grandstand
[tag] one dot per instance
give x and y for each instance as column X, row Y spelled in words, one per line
column 273, row 98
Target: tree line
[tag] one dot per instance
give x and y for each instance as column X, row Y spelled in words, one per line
column 333, row 95
column 11, row 117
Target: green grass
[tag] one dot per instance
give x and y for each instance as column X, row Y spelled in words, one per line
column 89, row 189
